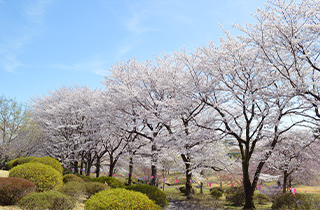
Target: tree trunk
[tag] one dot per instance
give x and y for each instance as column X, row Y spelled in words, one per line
column 88, row 167
column 154, row 160
column 285, row 177
column 248, row 189
column 81, row 167
column 130, row 170
column 75, row 166
column 188, row 176
column 98, row 164
column 290, row 182
column 201, row 187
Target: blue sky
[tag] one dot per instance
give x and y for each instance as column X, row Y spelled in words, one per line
column 46, row 44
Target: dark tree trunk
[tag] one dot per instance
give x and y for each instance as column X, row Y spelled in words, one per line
column 81, row 167
column 89, row 163
column 130, row 170
column 201, row 187
column 285, row 177
column 154, row 160
column 248, row 188
column 111, row 167
column 188, row 176
column 98, row 164
column 75, row 165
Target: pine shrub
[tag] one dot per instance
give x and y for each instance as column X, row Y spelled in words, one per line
column 235, row 196
column 19, row 161
column 92, row 188
column 111, row 181
column 73, row 189
column 71, row 178
column 261, row 198
column 152, row 192
column 183, row 190
column 13, row 189
column 54, row 163
column 120, row 199
column 290, row 201
column 43, row 176
column 52, row 200
column 216, row 192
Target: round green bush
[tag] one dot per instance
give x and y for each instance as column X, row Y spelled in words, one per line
column 111, row 181
column 71, row 178
column 67, row 171
column 236, row 196
column 18, row 161
column 52, row 200
column 73, row 189
column 13, row 189
column 152, row 192
column 216, row 192
column 92, row 188
column 43, row 176
column 290, row 201
column 261, row 198
column 54, row 163
column 85, row 178
column 119, row 199
column 183, row 190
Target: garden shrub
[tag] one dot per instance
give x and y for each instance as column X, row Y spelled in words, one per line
column 54, row 163
column 67, row 171
column 235, row 196
column 85, row 178
column 71, row 178
column 111, row 181
column 18, row 161
column 184, row 190
column 216, row 192
column 92, row 188
column 119, row 199
column 290, row 201
column 43, row 176
column 152, row 192
column 261, row 198
column 73, row 189
column 13, row 189
column 52, row 200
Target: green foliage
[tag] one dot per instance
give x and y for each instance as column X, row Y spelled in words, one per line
column 119, row 199
column 111, row 181
column 92, row 188
column 73, row 189
column 235, row 196
column 13, row 189
column 43, row 176
column 67, row 171
column 290, row 201
column 152, row 192
column 261, row 198
column 85, row 178
column 19, row 161
column 183, row 190
column 52, row 200
column 216, row 192
column 54, row 163
column 71, row 178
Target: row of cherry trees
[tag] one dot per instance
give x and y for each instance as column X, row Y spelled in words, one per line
column 253, row 90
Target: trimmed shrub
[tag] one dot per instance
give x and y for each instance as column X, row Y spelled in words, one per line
column 290, row 201
column 183, row 190
column 235, row 196
column 54, row 163
column 111, row 181
column 119, row 199
column 216, row 192
column 67, row 171
column 73, row 189
column 19, row 161
column 71, row 178
column 152, row 192
column 52, row 200
column 92, row 188
column 261, row 198
column 13, row 189
column 43, row 176
column 85, row 178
